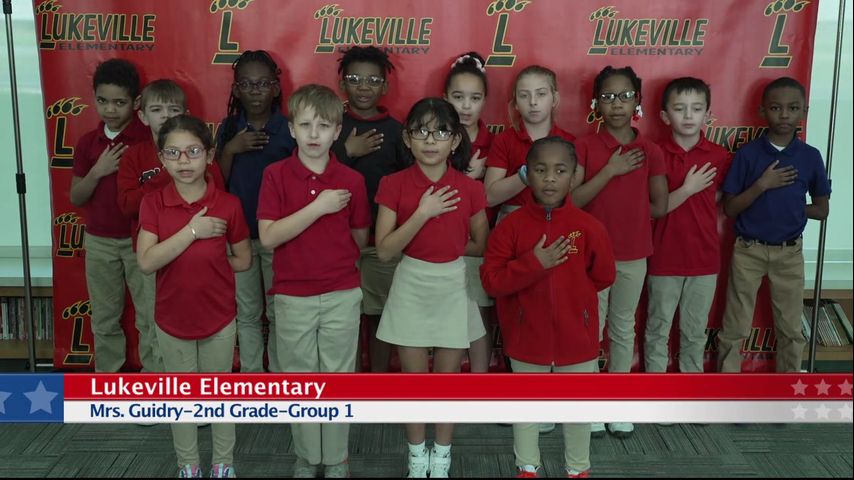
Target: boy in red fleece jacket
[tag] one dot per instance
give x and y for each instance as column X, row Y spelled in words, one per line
column 545, row 264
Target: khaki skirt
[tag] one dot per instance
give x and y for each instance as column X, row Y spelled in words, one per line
column 428, row 306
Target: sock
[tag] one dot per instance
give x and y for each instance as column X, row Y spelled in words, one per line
column 417, row 449
column 442, row 450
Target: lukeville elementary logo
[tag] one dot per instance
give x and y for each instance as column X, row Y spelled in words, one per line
column 645, row 36
column 395, row 35
column 93, row 31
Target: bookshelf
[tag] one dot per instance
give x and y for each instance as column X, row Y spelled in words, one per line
column 839, row 358
column 13, row 348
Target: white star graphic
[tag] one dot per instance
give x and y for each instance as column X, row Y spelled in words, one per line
column 800, row 387
column 3, row 397
column 823, row 388
column 822, row 411
column 845, row 387
column 800, row 412
column 40, row 399
column 845, row 411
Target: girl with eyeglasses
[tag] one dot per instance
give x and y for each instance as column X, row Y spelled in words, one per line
column 253, row 135
column 185, row 228
column 434, row 214
column 621, row 178
column 532, row 106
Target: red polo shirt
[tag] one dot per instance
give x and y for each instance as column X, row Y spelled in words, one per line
column 623, row 205
column 195, row 292
column 103, row 216
column 509, row 150
column 323, row 257
column 140, row 173
column 481, row 146
column 483, row 142
column 686, row 240
column 442, row 239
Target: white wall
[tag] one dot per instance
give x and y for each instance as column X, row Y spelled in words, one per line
column 838, row 266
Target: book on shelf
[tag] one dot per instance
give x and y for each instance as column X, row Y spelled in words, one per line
column 12, row 325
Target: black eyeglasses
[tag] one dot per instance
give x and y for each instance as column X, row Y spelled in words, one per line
column 609, row 97
column 370, row 80
column 423, row 133
column 248, row 85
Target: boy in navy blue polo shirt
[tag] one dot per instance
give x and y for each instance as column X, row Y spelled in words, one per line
column 765, row 190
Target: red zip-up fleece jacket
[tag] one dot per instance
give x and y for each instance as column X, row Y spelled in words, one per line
column 548, row 316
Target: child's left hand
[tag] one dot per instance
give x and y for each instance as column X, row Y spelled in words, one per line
column 477, row 165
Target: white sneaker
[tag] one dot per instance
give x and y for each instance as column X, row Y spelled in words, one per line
column 527, row 471
column 621, row 429
column 547, row 427
column 439, row 464
column 419, row 465
column 597, row 430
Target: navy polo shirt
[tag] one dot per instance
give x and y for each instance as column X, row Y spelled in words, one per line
column 778, row 214
column 247, row 169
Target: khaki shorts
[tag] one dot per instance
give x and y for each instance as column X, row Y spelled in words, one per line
column 474, row 287
column 376, row 280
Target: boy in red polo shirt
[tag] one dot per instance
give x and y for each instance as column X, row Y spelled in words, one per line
column 686, row 257
column 110, row 260
column 139, row 173
column 537, row 250
column 186, row 231
column 313, row 212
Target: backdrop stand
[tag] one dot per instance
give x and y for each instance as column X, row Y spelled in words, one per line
column 819, row 268
column 21, row 185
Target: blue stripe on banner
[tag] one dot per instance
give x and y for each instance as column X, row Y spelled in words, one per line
column 31, row 398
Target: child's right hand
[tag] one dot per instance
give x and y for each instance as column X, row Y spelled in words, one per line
column 332, row 201
column 361, row 145
column 245, row 141
column 108, row 162
column 435, row 203
column 622, row 163
column 698, row 180
column 207, row 227
column 554, row 254
column 774, row 177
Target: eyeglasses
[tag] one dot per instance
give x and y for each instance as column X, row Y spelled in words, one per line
column 370, row 80
column 609, row 97
column 249, row 85
column 423, row 133
column 193, row 152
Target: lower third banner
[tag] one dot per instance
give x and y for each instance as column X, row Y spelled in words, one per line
column 474, row 398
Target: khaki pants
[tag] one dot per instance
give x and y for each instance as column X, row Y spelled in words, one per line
column 576, row 436
column 618, row 304
column 251, row 287
column 694, row 296
column 212, row 354
column 110, row 264
column 319, row 334
column 149, row 351
column 784, row 266
column 376, row 280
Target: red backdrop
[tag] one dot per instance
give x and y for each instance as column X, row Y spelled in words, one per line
column 735, row 45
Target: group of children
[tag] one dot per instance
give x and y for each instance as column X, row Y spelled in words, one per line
column 333, row 210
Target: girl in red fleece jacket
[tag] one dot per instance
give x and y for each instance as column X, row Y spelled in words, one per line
column 545, row 264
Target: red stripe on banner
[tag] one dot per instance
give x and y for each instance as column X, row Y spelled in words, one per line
column 307, row 386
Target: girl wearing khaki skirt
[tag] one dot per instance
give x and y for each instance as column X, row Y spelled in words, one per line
column 434, row 214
